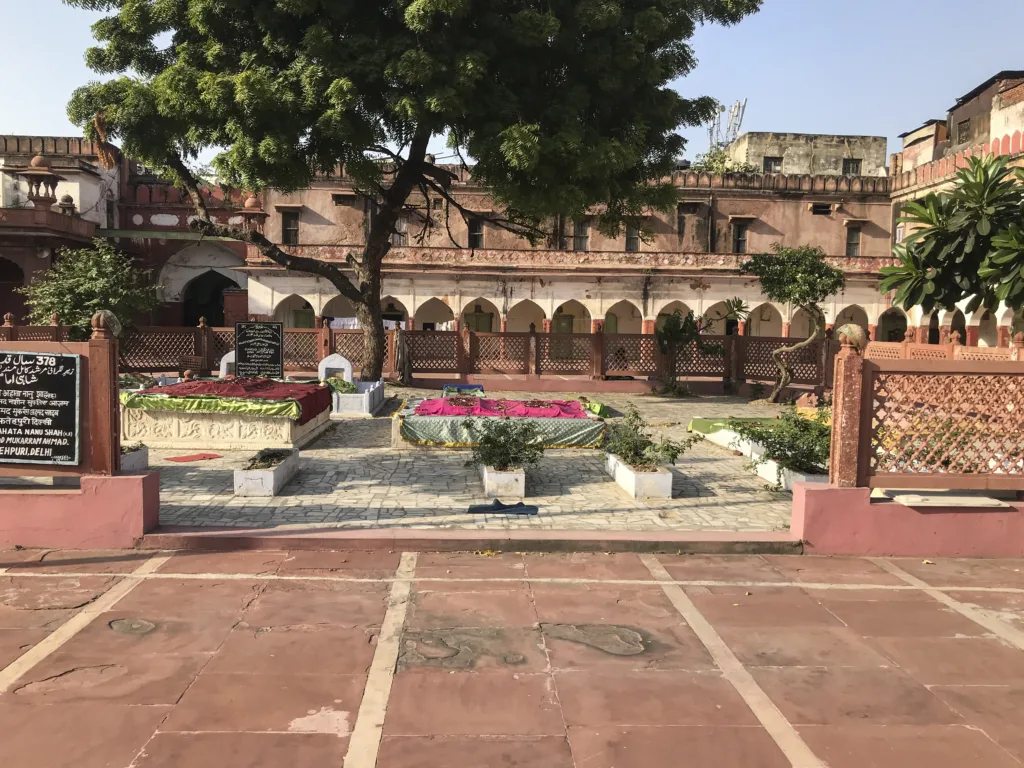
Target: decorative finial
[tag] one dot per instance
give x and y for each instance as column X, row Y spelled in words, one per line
column 202, row 322
column 54, row 319
column 99, row 327
column 1018, row 339
column 9, row 320
column 954, row 337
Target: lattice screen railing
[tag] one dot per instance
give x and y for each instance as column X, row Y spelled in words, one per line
column 504, row 353
column 222, row 341
column 157, row 349
column 758, row 364
column 300, row 350
column 712, row 360
column 564, row 352
column 433, row 351
column 630, row 354
column 925, row 423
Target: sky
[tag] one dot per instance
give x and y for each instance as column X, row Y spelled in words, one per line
column 859, row 67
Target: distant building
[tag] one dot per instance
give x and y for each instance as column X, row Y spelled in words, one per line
column 811, row 154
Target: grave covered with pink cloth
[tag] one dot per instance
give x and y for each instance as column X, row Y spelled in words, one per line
column 477, row 406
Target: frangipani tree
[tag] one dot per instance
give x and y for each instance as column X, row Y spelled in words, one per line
column 564, row 106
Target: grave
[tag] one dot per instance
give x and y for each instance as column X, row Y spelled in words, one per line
column 365, row 401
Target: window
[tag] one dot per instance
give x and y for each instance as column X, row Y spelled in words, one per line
column 581, row 235
column 632, row 238
column 963, row 131
column 401, row 234
column 900, row 233
column 290, row 227
column 739, row 237
column 436, row 203
column 681, row 222
column 851, row 167
column 853, row 241
column 476, row 232
column 821, row 209
column 772, row 164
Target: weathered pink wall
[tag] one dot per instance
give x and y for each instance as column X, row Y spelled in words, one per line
column 107, row 512
column 843, row 521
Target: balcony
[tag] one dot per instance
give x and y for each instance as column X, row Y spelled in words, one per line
column 34, row 224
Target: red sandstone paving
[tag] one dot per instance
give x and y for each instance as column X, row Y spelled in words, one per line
column 905, row 747
column 720, row 568
column 475, row 751
column 255, row 562
column 94, row 734
column 296, row 650
column 85, row 561
column 910, row 619
column 438, row 608
column 14, row 642
column 947, row 572
column 671, row 747
column 243, row 750
column 316, row 703
column 9, row 557
column 170, row 598
column 272, row 671
column 1006, row 606
column 57, row 592
column 832, row 570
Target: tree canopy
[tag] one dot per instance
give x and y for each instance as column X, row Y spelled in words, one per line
column 85, row 281
column 964, row 243
column 564, row 105
column 801, row 278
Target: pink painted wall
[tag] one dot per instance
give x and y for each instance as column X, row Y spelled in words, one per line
column 107, row 512
column 844, row 521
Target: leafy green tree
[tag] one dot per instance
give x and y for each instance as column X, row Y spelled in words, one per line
column 967, row 242
column 683, row 333
column 85, row 281
column 564, row 106
column 801, row 278
column 717, row 160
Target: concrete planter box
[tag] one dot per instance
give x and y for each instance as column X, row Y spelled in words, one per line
column 639, row 485
column 136, row 461
column 510, row 484
column 366, row 402
column 266, row 482
column 769, row 471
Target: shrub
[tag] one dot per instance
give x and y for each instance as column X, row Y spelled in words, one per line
column 756, row 391
column 792, row 442
column 504, row 444
column 629, row 440
column 267, row 458
column 127, row 448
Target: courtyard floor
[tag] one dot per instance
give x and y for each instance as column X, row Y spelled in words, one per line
column 263, row 659
column 353, row 478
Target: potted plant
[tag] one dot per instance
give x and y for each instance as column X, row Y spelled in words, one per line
column 634, row 460
column 267, row 472
column 134, row 457
column 790, row 449
column 503, row 449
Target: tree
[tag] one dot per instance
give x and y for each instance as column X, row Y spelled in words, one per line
column 681, row 332
column 563, row 106
column 85, row 281
column 801, row 278
column 717, row 160
column 967, row 242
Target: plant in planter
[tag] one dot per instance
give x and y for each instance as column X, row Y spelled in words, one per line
column 634, row 458
column 267, row 472
column 134, row 457
column 792, row 442
column 503, row 450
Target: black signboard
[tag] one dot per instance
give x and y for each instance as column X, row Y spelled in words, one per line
column 259, row 350
column 40, row 421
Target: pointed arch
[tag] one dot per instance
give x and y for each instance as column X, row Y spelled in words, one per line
column 522, row 314
column 295, row 312
column 481, row 315
column 623, row 317
column 571, row 317
column 892, row 325
column 669, row 309
column 765, row 320
column 718, row 325
column 854, row 314
column 434, row 315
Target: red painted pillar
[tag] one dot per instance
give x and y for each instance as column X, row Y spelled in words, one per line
column 785, row 330
column 871, row 332
column 504, row 324
column 922, row 334
column 411, row 324
column 972, row 335
column 597, row 326
column 944, row 332
column 647, row 327
column 1003, row 336
column 741, row 328
column 455, row 324
column 547, row 325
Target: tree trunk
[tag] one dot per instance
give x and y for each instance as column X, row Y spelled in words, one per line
column 785, row 375
column 373, row 338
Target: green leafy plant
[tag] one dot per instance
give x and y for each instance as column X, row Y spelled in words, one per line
column 793, row 442
column 629, row 439
column 135, row 381
column 964, row 243
column 84, row 281
column 267, row 458
column 799, row 277
column 565, row 108
column 504, row 444
column 127, row 448
column 340, row 386
column 682, row 334
column 717, row 160
column 756, row 390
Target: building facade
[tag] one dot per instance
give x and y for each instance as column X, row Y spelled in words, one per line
column 811, row 153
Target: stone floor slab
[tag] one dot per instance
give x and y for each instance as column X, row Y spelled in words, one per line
column 910, row 619
column 257, row 563
column 720, row 568
column 284, row 604
column 434, row 607
column 305, row 649
column 671, row 747
column 475, row 751
column 243, row 750
column 905, row 747
column 800, row 647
